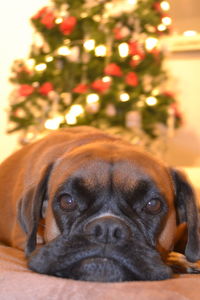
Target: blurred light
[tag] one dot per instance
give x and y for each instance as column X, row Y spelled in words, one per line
column 155, row 92
column 124, row 97
column 89, row 45
column 49, row 58
column 30, row 136
column 106, row 79
column 64, row 50
column 76, row 110
column 70, row 119
column 54, row 123
column 40, row 67
column 136, row 57
column 140, row 103
column 165, row 5
column 92, row 98
column 30, row 63
column 100, row 50
column 123, row 49
column 109, row 6
column 151, row 43
column 84, row 15
column 133, row 2
column 58, row 20
column 162, row 27
column 67, row 41
column 167, row 21
column 190, row 33
column 151, row 101
column 97, row 18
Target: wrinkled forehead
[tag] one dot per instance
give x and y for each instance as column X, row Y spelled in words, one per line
column 121, row 171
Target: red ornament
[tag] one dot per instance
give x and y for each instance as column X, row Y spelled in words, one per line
column 100, row 85
column 40, row 13
column 25, row 90
column 169, row 94
column 157, row 54
column 132, row 79
column 157, row 6
column 48, row 20
column 80, row 88
column 46, row 88
column 176, row 111
column 133, row 48
column 136, row 59
column 113, row 70
column 23, row 69
column 117, row 33
column 68, row 24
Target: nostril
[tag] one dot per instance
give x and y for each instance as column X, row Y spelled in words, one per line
column 117, row 233
column 98, row 231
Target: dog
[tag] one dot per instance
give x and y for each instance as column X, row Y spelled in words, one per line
column 89, row 206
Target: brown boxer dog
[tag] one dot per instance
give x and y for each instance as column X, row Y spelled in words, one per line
column 93, row 207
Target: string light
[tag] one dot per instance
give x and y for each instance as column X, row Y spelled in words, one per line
column 49, row 58
column 40, row 67
column 140, row 103
column 151, row 43
column 54, row 123
column 67, row 41
column 165, row 5
column 166, row 21
column 100, row 51
column 30, row 63
column 162, row 27
column 70, row 119
column 155, row 92
column 106, row 79
column 30, row 136
column 136, row 58
column 123, row 49
column 124, row 97
column 75, row 111
column 84, row 15
column 64, row 50
column 92, row 98
column 151, row 101
column 58, row 20
column 89, row 45
column 97, row 18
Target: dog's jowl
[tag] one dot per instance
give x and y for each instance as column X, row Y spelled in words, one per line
column 86, row 205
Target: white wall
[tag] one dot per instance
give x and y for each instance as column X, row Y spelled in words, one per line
column 184, row 147
column 16, row 37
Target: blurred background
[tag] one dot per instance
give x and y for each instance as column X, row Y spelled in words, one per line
column 182, row 63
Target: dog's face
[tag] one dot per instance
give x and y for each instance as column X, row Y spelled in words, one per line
column 111, row 216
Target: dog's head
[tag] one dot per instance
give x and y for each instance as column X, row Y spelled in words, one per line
column 111, row 215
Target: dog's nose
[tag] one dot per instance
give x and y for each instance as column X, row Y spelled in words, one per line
column 107, row 230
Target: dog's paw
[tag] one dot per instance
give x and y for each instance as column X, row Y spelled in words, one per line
column 179, row 264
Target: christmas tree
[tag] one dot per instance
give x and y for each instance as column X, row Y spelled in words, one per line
column 95, row 63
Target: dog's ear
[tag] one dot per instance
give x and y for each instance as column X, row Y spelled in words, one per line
column 30, row 208
column 187, row 211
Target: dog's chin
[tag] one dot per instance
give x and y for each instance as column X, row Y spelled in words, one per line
column 96, row 269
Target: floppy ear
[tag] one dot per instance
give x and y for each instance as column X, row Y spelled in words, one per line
column 187, row 211
column 30, row 208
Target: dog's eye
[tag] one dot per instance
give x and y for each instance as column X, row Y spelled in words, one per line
column 67, row 203
column 153, row 206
